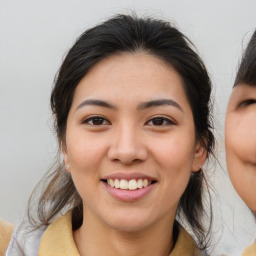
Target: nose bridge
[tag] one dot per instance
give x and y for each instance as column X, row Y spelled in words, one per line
column 127, row 137
column 127, row 145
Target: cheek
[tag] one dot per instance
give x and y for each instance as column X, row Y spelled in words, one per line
column 243, row 178
column 241, row 138
column 170, row 153
column 83, row 150
column 85, row 159
column 174, row 158
column 241, row 156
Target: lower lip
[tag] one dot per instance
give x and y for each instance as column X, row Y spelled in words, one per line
column 129, row 195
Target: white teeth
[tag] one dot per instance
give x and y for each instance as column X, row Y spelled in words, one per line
column 111, row 183
column 129, row 185
column 116, row 184
column 124, row 184
column 140, row 183
column 133, row 184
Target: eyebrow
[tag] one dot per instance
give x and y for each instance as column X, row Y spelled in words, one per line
column 160, row 102
column 95, row 102
column 144, row 105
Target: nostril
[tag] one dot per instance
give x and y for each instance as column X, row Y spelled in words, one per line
column 128, row 161
column 127, row 153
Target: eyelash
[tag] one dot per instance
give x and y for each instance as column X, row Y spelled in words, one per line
column 92, row 119
column 163, row 121
column 247, row 102
column 99, row 120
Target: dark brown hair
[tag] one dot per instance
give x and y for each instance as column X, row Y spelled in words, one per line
column 125, row 33
column 247, row 68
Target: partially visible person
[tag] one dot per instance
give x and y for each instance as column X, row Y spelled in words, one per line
column 240, row 132
column 6, row 230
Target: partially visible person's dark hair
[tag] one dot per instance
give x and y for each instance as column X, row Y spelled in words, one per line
column 247, row 70
column 130, row 34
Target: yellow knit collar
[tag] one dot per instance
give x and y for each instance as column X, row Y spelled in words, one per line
column 58, row 240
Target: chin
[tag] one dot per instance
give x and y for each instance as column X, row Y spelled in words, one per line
column 251, row 203
column 130, row 223
column 252, row 208
column 130, row 226
column 254, row 214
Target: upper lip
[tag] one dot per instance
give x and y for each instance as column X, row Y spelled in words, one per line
column 128, row 176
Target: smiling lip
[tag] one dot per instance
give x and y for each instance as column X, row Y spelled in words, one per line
column 129, row 195
column 126, row 194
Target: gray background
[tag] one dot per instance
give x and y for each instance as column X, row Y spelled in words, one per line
column 34, row 37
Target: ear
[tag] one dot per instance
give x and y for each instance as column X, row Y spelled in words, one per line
column 199, row 157
column 65, row 157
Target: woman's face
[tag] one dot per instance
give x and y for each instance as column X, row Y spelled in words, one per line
column 241, row 142
column 130, row 142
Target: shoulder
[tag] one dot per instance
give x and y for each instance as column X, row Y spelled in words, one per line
column 185, row 244
column 25, row 241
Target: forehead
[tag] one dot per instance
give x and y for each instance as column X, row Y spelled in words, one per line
column 242, row 89
column 136, row 75
column 125, row 66
column 244, row 85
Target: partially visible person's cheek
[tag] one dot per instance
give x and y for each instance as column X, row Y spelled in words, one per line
column 241, row 153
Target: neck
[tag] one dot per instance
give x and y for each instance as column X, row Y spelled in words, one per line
column 95, row 237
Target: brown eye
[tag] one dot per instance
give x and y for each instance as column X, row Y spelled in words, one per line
column 96, row 120
column 160, row 121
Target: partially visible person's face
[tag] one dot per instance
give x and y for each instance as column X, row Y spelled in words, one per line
column 130, row 142
column 240, row 141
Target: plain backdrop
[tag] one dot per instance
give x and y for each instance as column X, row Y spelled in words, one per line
column 34, row 37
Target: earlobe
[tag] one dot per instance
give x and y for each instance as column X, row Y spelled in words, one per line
column 65, row 158
column 66, row 162
column 199, row 157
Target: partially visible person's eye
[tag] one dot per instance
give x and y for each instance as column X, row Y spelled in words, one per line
column 247, row 102
column 96, row 121
column 160, row 121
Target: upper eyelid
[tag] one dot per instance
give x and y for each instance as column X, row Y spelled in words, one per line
column 171, row 120
column 90, row 117
column 245, row 102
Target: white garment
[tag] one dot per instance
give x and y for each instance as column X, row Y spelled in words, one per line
column 24, row 242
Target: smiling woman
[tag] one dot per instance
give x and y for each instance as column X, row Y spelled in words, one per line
column 131, row 103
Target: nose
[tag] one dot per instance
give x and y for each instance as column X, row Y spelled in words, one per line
column 127, row 146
